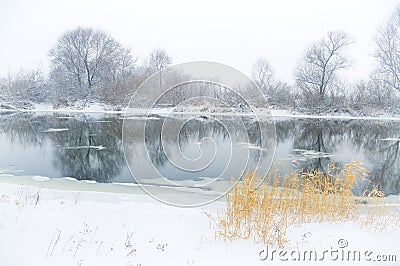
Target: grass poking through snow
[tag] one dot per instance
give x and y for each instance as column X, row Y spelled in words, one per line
column 264, row 213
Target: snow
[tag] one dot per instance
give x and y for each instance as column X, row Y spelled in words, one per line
column 40, row 178
column 391, row 139
column 90, row 181
column 55, row 129
column 52, row 223
column 64, row 221
column 99, row 148
column 139, row 118
column 102, row 121
column 277, row 114
column 70, row 178
column 126, row 184
column 349, row 117
column 77, row 108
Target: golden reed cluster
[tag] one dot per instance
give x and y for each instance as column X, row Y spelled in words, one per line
column 265, row 212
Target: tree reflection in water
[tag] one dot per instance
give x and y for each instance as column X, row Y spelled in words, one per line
column 337, row 137
column 77, row 152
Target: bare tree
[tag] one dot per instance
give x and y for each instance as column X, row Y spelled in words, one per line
column 159, row 59
column 276, row 92
column 86, row 58
column 262, row 74
column 388, row 51
column 24, row 87
column 120, row 68
column 316, row 74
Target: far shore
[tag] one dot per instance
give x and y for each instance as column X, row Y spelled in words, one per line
column 277, row 114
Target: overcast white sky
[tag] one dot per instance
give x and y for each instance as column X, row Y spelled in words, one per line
column 232, row 32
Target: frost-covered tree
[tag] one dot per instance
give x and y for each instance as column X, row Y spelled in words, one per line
column 316, row 73
column 85, row 60
column 277, row 93
column 387, row 51
column 23, row 88
column 262, row 74
column 159, row 59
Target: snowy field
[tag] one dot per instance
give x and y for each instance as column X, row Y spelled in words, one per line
column 65, row 222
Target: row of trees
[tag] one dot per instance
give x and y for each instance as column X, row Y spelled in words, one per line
column 85, row 64
column 318, row 85
column 89, row 64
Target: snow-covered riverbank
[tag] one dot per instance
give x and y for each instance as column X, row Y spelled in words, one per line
column 98, row 108
column 62, row 221
column 42, row 226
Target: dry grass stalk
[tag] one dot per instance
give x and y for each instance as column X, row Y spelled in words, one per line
column 264, row 213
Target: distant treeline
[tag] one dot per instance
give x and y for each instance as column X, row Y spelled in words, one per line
column 89, row 65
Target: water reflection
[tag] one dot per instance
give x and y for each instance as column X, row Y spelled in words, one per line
column 75, row 152
column 91, row 148
column 346, row 140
